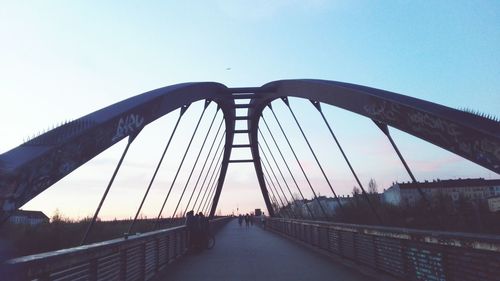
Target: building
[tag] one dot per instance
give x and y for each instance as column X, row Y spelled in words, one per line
column 28, row 217
column 329, row 204
column 494, row 204
column 407, row 194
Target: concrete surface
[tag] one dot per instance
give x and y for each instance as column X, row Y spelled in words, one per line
column 255, row 254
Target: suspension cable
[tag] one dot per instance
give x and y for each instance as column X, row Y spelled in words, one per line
column 207, row 102
column 285, row 100
column 203, row 167
column 275, row 177
column 271, row 184
column 182, row 111
column 298, row 162
column 209, row 169
column 195, row 162
column 266, row 172
column 281, row 173
column 269, row 179
column 209, row 183
column 286, row 164
column 385, row 130
column 271, row 167
column 210, row 203
column 273, row 196
column 211, row 193
column 92, row 222
column 318, row 107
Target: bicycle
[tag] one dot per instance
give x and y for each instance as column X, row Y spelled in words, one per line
column 207, row 242
column 210, row 243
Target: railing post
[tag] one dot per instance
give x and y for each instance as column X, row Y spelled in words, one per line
column 123, row 264
column 156, row 250
column 174, row 242
column 446, row 264
column 93, row 269
column 186, row 240
column 310, row 237
column 405, row 261
column 341, row 251
column 167, row 248
column 375, row 253
column 179, row 243
column 183, row 241
column 143, row 260
column 355, row 247
column 328, row 246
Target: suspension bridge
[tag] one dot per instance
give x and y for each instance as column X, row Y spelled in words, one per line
column 315, row 248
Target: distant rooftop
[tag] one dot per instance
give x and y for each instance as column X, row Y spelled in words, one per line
column 451, row 183
column 30, row 214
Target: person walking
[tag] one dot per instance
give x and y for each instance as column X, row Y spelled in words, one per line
column 191, row 227
column 240, row 219
column 196, row 232
column 247, row 220
column 203, row 228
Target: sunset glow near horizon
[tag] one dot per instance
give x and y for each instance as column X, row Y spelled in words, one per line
column 62, row 60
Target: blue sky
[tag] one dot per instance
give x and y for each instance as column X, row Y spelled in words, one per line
column 63, row 59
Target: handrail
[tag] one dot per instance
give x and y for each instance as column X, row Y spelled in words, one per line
column 406, row 254
column 426, row 236
column 140, row 255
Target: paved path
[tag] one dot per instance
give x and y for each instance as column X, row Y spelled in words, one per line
column 254, row 254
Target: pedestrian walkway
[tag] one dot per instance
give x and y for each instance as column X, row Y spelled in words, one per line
column 255, row 254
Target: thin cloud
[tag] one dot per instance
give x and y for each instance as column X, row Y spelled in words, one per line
column 435, row 165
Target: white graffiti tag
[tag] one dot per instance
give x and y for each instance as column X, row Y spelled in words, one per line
column 383, row 110
column 128, row 125
column 423, row 122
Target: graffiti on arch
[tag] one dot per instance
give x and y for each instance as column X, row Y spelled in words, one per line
column 127, row 125
column 458, row 139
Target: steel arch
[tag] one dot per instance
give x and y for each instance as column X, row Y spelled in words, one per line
column 32, row 167
column 468, row 135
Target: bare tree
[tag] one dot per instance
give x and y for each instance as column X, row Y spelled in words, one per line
column 372, row 187
column 355, row 191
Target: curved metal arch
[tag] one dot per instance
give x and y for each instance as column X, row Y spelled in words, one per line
column 32, row 167
column 470, row 136
column 29, row 169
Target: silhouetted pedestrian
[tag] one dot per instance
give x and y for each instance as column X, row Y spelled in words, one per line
column 203, row 225
column 191, row 227
column 196, row 232
column 240, row 219
column 247, row 220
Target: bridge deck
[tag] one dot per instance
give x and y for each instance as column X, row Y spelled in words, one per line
column 256, row 254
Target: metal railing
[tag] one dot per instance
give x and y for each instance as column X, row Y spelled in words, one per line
column 137, row 257
column 402, row 253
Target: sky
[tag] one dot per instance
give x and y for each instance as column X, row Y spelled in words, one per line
column 61, row 60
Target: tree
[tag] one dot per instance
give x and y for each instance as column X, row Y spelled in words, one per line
column 372, row 187
column 355, row 191
column 57, row 217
